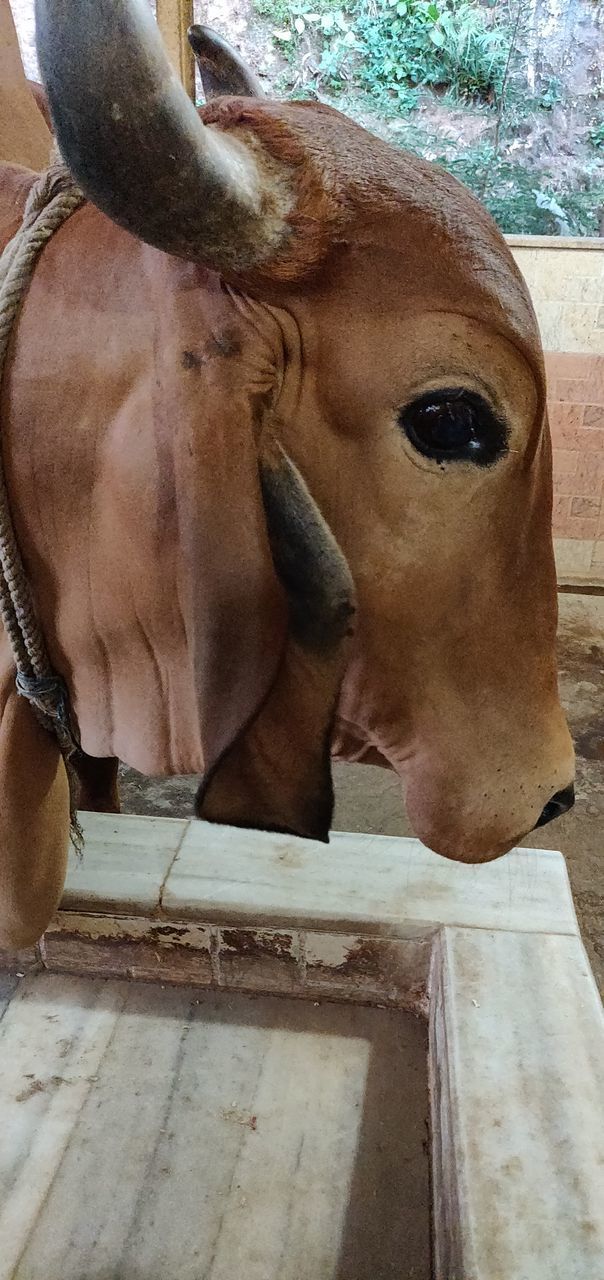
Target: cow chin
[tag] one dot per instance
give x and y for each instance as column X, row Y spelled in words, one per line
column 463, row 826
column 457, row 841
column 437, row 813
column 456, row 851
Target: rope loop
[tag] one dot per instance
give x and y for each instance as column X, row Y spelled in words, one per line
column 52, row 199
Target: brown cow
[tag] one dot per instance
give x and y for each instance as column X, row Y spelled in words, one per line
column 273, row 371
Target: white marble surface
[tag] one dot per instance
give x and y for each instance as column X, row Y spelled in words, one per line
column 125, row 862
column 384, row 884
column 518, row 1091
column 120, row 1101
column 150, row 1134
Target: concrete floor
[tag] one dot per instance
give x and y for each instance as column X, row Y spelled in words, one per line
column 369, row 799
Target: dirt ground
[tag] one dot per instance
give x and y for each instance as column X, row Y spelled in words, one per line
column 369, row 799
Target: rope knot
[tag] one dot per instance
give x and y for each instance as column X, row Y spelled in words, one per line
column 48, row 695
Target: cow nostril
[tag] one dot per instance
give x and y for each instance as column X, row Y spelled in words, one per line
column 559, row 804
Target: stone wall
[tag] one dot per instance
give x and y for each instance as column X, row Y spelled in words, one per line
column 566, row 280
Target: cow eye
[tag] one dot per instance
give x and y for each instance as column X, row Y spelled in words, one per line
column 454, row 426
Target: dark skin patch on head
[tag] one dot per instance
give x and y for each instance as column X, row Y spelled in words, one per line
column 224, row 345
column 191, row 360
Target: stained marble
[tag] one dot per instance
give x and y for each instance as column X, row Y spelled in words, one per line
column 159, row 1134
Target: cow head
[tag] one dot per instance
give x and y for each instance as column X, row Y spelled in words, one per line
column 409, row 402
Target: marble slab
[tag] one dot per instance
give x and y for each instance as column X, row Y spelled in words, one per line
column 517, row 1086
column 387, row 880
column 380, row 884
column 153, row 1134
column 249, row 911
column 125, row 862
column 115, row 1163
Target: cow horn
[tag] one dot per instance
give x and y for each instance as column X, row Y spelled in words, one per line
column 137, row 147
column 221, row 68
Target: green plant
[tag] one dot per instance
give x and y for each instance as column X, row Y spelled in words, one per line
column 340, row 47
column 276, row 10
column 445, row 43
column 596, row 135
column 550, row 95
column 527, row 201
column 383, row 58
column 390, row 48
column 281, row 11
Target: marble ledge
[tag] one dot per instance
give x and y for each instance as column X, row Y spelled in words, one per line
column 391, row 886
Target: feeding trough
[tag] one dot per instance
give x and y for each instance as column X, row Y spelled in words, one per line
column 422, row 1100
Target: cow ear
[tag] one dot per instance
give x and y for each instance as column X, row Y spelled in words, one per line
column 34, row 825
column 277, row 774
column 223, row 72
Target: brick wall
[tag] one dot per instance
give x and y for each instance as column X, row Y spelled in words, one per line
column 566, row 280
column 576, row 412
